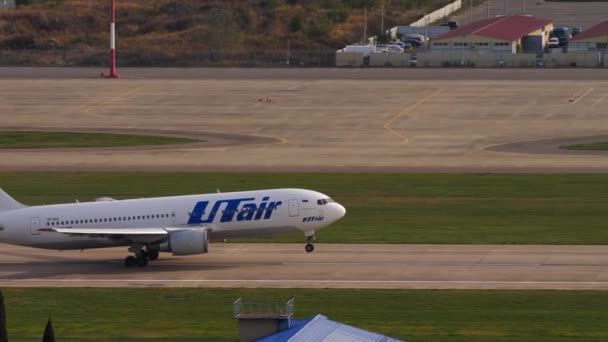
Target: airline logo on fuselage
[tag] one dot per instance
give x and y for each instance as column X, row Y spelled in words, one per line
column 241, row 209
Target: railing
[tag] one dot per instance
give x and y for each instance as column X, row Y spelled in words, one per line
column 242, row 307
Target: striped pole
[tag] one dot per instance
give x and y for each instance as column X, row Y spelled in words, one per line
column 113, row 73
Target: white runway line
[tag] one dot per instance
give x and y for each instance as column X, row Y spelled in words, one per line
column 583, row 95
column 599, row 100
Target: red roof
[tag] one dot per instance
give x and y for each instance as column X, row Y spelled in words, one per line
column 508, row 28
column 598, row 30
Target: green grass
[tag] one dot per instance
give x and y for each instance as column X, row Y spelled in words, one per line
column 381, row 208
column 600, row 146
column 13, row 140
column 412, row 315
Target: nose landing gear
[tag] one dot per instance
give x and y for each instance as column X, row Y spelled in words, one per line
column 310, row 245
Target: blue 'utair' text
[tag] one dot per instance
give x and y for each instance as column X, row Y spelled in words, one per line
column 244, row 209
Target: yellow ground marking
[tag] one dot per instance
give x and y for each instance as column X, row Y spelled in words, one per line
column 583, row 95
column 279, row 142
column 89, row 109
column 404, row 111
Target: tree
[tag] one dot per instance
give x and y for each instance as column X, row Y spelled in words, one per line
column 3, row 334
column 49, row 334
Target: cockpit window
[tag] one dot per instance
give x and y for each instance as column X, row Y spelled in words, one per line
column 324, row 201
column 1, row 227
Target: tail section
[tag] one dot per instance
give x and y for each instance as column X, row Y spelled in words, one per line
column 8, row 203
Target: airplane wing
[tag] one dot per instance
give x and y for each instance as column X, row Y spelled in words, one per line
column 145, row 235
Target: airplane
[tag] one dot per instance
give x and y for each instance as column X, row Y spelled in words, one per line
column 181, row 225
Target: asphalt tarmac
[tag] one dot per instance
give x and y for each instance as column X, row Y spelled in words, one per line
column 330, row 266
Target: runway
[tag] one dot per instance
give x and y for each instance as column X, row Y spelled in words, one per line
column 342, row 125
column 330, row 266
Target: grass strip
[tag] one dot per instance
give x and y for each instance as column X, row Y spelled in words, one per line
column 599, row 146
column 17, row 140
column 381, row 208
column 86, row 314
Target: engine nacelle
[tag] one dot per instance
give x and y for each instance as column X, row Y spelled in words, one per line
column 187, row 242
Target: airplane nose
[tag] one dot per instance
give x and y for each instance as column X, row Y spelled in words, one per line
column 341, row 210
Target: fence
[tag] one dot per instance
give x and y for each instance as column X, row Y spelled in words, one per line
column 247, row 307
column 485, row 59
column 438, row 14
column 585, row 59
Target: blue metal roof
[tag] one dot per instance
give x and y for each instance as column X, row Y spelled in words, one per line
column 320, row 328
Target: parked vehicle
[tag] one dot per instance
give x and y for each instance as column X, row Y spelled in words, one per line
column 413, row 42
column 388, row 48
column 452, row 24
column 553, row 43
column 366, row 50
column 576, row 30
column 562, row 34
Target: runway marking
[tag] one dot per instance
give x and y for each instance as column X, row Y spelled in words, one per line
column 599, row 101
column 310, row 281
column 89, row 109
column 279, row 142
column 583, row 95
column 403, row 112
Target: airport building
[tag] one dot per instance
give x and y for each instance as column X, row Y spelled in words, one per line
column 271, row 321
column 594, row 39
column 513, row 33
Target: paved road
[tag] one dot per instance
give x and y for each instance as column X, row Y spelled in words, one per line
column 310, row 74
column 333, row 266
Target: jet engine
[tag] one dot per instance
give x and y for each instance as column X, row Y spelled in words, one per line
column 187, row 242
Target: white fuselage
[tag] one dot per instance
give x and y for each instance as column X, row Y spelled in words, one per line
column 226, row 215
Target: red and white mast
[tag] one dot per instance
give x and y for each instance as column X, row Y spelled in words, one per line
column 113, row 73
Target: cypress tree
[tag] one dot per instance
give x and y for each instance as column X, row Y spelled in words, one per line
column 49, row 334
column 3, row 334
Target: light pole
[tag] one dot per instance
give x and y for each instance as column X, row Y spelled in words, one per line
column 471, row 3
column 113, row 73
column 365, row 27
column 382, row 18
column 488, row 9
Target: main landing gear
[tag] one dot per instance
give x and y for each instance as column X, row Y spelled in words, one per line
column 310, row 245
column 141, row 257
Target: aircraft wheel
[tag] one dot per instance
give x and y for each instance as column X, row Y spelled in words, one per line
column 152, row 255
column 309, row 247
column 130, row 261
column 142, row 261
